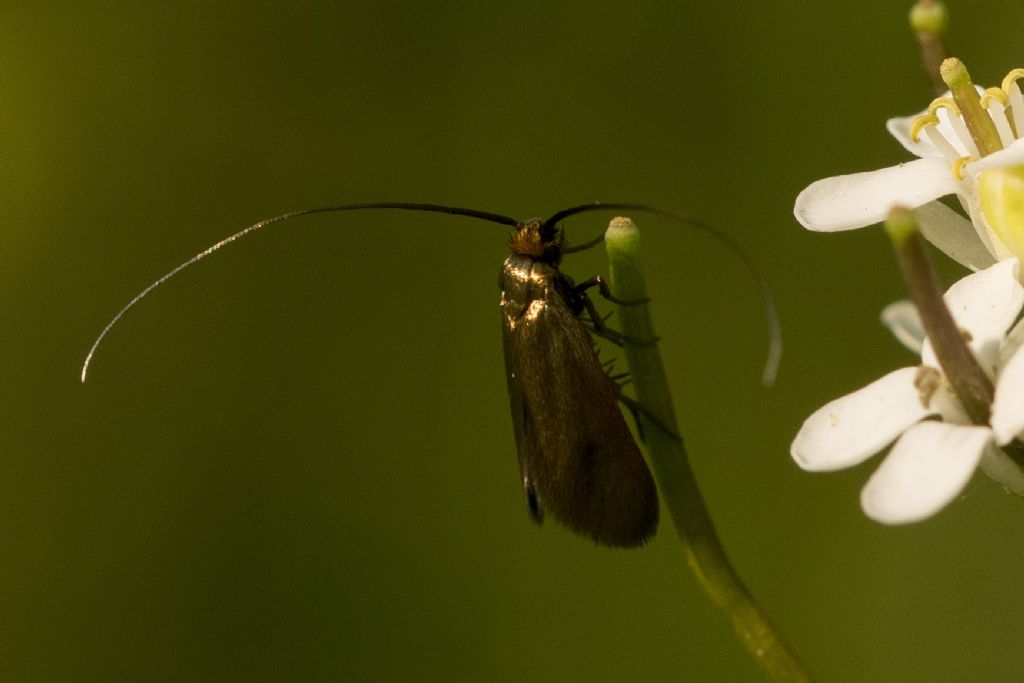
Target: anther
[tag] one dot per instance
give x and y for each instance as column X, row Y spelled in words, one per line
column 997, row 94
column 944, row 103
column 1012, row 91
column 958, row 166
column 920, row 123
column 994, row 101
column 929, row 124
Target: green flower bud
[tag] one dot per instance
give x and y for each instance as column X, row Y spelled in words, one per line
column 929, row 17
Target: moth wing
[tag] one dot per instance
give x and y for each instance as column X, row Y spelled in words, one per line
column 578, row 458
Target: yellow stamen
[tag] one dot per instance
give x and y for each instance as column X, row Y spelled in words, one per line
column 1012, row 91
column 959, row 129
column 958, row 166
column 1011, row 79
column 929, row 125
column 920, row 123
column 944, row 103
column 994, row 94
column 995, row 101
column 940, row 142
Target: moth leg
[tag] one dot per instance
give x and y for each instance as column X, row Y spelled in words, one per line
column 617, row 338
column 602, row 286
column 637, row 409
column 620, row 379
column 598, row 327
column 596, row 319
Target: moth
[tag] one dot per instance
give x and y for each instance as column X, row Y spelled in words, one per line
column 577, row 456
column 578, row 459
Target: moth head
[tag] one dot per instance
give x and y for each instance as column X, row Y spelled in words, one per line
column 538, row 239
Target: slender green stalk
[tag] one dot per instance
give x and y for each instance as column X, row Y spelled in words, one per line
column 676, row 481
column 972, row 386
column 929, row 20
column 970, row 383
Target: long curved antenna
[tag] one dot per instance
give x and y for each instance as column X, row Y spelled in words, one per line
column 402, row 206
column 771, row 366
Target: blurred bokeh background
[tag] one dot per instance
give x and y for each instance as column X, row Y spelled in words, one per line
column 296, row 460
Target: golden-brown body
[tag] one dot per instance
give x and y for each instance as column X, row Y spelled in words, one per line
column 578, row 459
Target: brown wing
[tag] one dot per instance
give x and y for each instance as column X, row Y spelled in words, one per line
column 578, row 458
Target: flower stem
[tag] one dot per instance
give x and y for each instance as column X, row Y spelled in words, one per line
column 928, row 19
column 970, row 383
column 676, row 481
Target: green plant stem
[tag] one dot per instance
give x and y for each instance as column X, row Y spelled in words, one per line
column 676, row 481
column 929, row 19
column 970, row 383
column 972, row 386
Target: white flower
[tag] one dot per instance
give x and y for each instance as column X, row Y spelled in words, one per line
column 990, row 187
column 932, row 459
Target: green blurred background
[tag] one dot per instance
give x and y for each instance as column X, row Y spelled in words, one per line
column 296, row 461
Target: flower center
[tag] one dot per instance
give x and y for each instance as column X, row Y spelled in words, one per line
column 979, row 124
column 1001, row 197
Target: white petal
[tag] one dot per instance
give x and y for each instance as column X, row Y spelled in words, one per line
column 954, row 235
column 985, row 304
column 851, row 429
column 1011, row 156
column 1013, row 340
column 1008, row 407
column 926, row 469
column 853, row 201
column 905, row 324
column 1000, row 467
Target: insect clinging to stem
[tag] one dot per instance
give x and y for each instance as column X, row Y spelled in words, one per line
column 577, row 457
